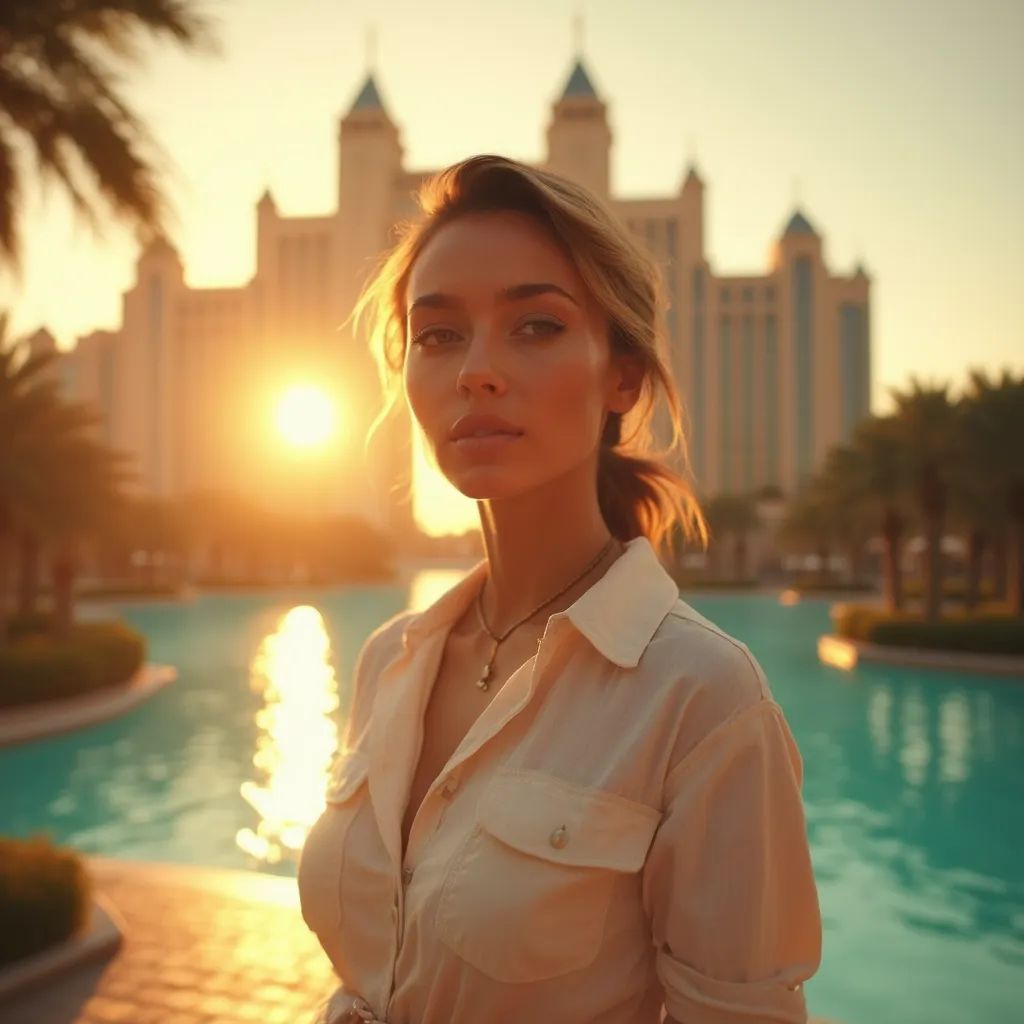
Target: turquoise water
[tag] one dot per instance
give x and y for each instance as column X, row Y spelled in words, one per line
column 914, row 784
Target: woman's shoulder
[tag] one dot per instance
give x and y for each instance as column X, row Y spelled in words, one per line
column 707, row 672
column 385, row 640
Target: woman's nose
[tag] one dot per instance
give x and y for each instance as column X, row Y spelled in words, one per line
column 479, row 370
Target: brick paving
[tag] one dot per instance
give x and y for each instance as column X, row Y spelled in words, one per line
column 200, row 947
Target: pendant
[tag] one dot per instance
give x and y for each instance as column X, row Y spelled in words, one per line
column 482, row 681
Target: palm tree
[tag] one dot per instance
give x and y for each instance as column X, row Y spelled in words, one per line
column 993, row 425
column 927, row 421
column 841, row 512
column 735, row 515
column 59, row 94
column 56, row 482
column 78, row 491
column 807, row 523
column 881, row 474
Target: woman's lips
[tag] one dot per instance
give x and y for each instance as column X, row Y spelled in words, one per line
column 488, row 444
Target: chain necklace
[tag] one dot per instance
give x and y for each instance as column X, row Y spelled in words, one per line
column 482, row 682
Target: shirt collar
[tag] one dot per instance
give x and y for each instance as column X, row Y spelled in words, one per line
column 619, row 614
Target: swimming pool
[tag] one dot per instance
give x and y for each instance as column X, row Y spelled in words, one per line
column 914, row 782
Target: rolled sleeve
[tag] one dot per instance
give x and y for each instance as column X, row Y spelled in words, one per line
column 728, row 885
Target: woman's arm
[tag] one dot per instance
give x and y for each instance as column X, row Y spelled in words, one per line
column 728, row 884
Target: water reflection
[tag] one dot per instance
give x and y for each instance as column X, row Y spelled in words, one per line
column 297, row 734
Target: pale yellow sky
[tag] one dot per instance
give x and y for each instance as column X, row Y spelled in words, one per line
column 896, row 124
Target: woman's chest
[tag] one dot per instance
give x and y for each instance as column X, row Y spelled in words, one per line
column 454, row 705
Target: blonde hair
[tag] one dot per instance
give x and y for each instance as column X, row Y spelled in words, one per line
column 638, row 491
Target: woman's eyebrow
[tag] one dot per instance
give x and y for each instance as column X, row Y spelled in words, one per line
column 439, row 300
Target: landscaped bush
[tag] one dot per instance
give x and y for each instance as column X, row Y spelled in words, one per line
column 991, row 630
column 45, row 894
column 38, row 667
column 952, row 589
column 811, row 584
column 25, row 623
column 127, row 591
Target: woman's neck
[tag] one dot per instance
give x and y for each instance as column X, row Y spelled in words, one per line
column 539, row 542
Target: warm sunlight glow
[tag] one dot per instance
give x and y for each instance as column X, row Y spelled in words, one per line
column 438, row 507
column 297, row 735
column 306, row 416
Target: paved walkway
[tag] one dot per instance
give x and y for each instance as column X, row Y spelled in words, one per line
column 200, row 947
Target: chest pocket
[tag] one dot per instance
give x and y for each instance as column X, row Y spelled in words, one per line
column 527, row 894
column 320, row 863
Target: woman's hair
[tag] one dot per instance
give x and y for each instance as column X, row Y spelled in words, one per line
column 638, row 491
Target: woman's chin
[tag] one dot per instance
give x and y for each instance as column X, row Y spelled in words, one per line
column 484, row 482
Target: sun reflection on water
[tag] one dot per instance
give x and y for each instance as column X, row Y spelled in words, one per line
column 297, row 738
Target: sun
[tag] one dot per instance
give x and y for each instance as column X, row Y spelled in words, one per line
column 305, row 416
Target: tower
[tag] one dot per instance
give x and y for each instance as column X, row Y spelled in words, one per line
column 578, row 136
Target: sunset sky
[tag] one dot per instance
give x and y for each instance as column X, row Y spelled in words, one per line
column 896, row 125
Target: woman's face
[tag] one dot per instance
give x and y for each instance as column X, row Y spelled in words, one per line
column 499, row 322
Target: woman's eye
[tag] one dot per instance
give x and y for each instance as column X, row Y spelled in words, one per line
column 444, row 334
column 545, row 326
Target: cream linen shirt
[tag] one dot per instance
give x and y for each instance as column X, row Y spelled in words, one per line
column 620, row 834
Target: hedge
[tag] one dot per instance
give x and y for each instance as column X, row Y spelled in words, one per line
column 45, row 895
column 34, row 666
column 990, row 630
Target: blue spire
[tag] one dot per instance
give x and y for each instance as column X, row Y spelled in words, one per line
column 368, row 98
column 579, row 83
column 799, row 225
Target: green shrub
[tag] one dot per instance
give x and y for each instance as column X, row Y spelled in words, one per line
column 808, row 583
column 96, row 654
column 990, row 630
column 953, row 589
column 26, row 623
column 45, row 893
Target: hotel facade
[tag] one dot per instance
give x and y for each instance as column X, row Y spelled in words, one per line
column 773, row 368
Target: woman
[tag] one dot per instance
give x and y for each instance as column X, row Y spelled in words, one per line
column 563, row 794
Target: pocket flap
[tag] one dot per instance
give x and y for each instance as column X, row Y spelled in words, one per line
column 346, row 774
column 524, row 808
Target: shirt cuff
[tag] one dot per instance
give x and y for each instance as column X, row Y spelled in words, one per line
column 697, row 999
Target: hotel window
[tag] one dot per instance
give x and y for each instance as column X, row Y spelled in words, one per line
column 773, row 474
column 698, row 287
column 803, row 338
column 698, row 388
column 747, row 442
column 769, row 294
column 748, row 294
column 726, row 411
column 853, row 361
column 725, row 296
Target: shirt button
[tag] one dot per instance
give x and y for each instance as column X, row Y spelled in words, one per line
column 559, row 837
column 451, row 784
column 406, row 875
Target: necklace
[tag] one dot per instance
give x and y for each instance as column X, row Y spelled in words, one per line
column 482, row 682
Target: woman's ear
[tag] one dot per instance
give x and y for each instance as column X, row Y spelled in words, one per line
column 627, row 380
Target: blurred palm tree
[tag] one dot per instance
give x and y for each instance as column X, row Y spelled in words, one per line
column 80, row 487
column 878, row 472
column 844, row 508
column 61, row 101
column 807, row 523
column 992, row 422
column 927, row 420
column 735, row 516
column 58, row 485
